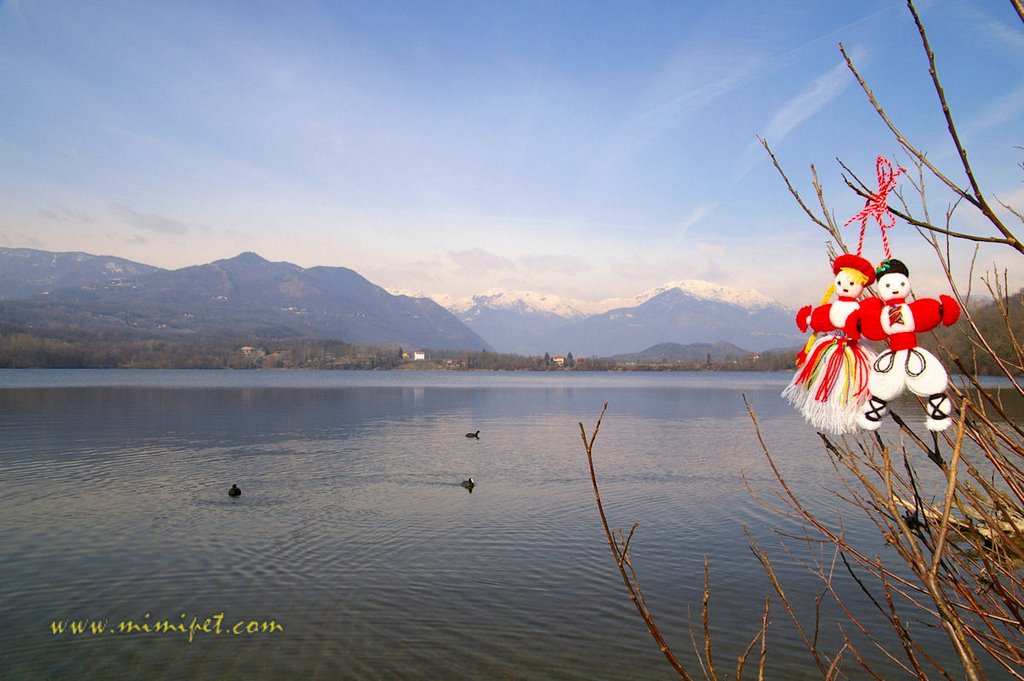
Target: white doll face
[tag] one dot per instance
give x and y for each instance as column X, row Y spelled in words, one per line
column 893, row 285
column 848, row 284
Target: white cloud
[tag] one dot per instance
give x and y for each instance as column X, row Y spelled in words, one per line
column 1002, row 109
column 565, row 265
column 60, row 213
column 478, row 262
column 997, row 31
column 807, row 102
column 149, row 222
column 694, row 218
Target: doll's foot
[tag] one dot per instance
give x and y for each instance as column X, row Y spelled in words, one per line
column 939, row 409
column 871, row 418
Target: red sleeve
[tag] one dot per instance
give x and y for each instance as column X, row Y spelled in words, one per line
column 927, row 314
column 869, row 319
column 949, row 310
column 803, row 318
column 819, row 319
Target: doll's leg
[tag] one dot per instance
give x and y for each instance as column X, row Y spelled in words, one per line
column 886, row 381
column 927, row 378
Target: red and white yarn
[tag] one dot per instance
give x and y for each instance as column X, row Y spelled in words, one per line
column 877, row 205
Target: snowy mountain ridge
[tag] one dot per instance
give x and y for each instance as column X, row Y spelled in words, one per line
column 751, row 299
column 530, row 302
column 526, row 302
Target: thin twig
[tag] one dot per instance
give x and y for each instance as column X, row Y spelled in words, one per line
column 622, row 558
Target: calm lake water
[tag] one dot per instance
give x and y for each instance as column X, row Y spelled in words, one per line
column 355, row 538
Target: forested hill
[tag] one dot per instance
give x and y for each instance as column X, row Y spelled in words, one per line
column 1002, row 326
column 241, row 296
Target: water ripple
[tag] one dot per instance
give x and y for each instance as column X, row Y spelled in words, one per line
column 352, row 528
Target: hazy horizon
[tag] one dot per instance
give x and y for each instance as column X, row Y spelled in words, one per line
column 579, row 149
column 550, row 301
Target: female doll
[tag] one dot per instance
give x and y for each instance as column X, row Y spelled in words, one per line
column 830, row 386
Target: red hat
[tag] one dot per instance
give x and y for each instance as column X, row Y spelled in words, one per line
column 857, row 263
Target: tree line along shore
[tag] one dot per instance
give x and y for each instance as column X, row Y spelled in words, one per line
column 76, row 348
column 23, row 350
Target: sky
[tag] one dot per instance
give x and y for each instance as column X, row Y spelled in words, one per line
column 584, row 149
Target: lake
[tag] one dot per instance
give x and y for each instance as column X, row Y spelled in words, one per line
column 355, row 553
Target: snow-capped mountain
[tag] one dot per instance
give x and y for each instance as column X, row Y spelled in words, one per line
column 679, row 316
column 524, row 302
column 526, row 322
column 751, row 299
column 529, row 301
column 684, row 311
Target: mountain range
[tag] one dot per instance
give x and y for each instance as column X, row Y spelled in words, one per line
column 241, row 296
column 250, row 296
column 686, row 312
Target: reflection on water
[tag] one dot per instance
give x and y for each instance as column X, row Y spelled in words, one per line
column 353, row 530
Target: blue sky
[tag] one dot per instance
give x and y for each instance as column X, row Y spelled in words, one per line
column 584, row 149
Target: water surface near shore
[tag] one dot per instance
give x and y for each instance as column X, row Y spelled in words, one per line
column 354, row 536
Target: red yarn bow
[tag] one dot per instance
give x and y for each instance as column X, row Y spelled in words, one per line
column 877, row 205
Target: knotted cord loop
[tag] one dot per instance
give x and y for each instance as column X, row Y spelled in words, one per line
column 877, row 205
